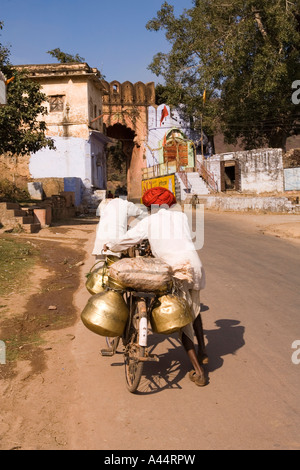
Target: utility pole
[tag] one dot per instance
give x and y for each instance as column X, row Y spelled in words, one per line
column 202, row 152
column 201, row 120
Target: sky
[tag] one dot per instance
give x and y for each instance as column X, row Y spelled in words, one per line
column 110, row 35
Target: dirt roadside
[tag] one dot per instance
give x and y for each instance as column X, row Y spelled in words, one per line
column 38, row 326
column 39, row 387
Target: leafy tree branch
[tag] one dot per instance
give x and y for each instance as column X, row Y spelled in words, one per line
column 245, row 54
column 22, row 129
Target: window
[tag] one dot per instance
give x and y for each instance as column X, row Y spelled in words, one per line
column 56, row 103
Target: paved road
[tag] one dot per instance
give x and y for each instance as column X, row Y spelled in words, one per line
column 251, row 319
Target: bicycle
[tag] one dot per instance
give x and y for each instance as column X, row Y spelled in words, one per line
column 135, row 334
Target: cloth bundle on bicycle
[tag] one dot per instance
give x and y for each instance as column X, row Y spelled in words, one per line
column 142, row 274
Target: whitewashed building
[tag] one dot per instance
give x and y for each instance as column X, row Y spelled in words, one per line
column 75, row 123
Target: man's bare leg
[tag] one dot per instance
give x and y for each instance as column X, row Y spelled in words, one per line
column 198, row 329
column 191, row 352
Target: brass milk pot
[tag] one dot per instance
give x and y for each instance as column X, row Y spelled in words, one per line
column 106, row 314
column 169, row 314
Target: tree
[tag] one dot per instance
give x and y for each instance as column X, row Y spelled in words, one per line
column 65, row 58
column 22, row 130
column 245, row 55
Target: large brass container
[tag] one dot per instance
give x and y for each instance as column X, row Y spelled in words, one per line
column 169, row 314
column 96, row 281
column 113, row 284
column 106, row 314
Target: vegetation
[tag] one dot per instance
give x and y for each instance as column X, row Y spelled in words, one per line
column 9, row 191
column 244, row 55
column 22, row 130
column 65, row 58
column 16, row 258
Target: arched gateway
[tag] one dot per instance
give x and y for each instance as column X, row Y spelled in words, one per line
column 125, row 116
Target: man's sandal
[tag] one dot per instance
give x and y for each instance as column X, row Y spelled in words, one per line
column 199, row 380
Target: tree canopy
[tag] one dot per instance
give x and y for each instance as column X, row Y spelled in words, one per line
column 244, row 55
column 65, row 58
column 22, row 130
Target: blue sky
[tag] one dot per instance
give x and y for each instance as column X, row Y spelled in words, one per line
column 109, row 34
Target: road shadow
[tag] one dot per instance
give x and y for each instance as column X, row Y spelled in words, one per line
column 227, row 338
column 79, row 220
column 172, row 367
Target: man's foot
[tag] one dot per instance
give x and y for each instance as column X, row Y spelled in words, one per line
column 199, row 380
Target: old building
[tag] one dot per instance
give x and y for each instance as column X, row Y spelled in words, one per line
column 174, row 153
column 74, row 93
column 85, row 113
column 88, row 116
column 188, row 166
column 250, row 171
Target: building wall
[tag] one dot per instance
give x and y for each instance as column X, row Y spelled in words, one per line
column 158, row 128
column 74, row 100
column 292, row 179
column 95, row 107
column 260, row 170
column 71, row 158
column 67, row 117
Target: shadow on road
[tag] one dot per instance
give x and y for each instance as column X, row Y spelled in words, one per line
column 173, row 365
column 226, row 339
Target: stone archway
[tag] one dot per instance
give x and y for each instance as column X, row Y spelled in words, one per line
column 125, row 115
column 121, row 150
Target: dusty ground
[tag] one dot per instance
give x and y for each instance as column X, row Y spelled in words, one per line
column 38, row 388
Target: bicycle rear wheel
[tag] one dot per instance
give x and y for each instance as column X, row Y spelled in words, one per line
column 133, row 366
column 133, row 351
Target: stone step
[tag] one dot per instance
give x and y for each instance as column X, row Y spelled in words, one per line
column 32, row 228
column 16, row 213
column 198, row 185
column 12, row 205
column 297, row 208
column 24, row 220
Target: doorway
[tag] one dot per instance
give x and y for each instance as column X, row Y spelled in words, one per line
column 230, row 176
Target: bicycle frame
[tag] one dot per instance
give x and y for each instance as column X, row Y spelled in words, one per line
column 135, row 334
column 135, row 338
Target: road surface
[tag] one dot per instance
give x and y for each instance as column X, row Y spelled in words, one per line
column 250, row 311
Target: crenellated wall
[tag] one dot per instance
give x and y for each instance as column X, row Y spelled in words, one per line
column 125, row 106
